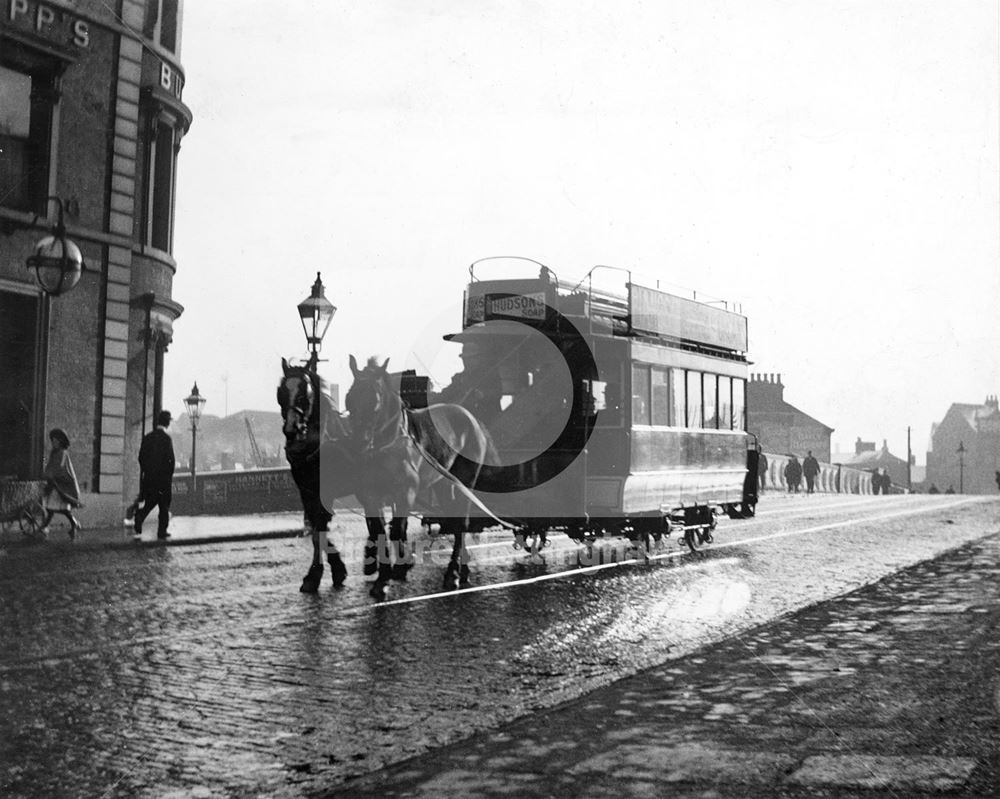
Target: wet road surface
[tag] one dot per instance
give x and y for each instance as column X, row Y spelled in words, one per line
column 136, row 673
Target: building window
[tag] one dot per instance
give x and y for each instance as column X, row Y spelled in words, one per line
column 161, row 23
column 27, row 97
column 161, row 189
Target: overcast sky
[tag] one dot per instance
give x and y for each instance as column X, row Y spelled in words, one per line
column 832, row 166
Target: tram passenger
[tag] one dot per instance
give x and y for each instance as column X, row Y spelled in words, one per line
column 793, row 474
column 810, row 468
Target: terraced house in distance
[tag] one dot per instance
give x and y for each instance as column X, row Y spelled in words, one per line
column 91, row 121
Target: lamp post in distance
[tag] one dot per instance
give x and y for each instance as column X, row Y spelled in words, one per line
column 315, row 313
column 193, row 404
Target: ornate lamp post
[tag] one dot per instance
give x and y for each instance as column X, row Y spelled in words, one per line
column 57, row 261
column 194, row 404
column 315, row 313
column 961, row 467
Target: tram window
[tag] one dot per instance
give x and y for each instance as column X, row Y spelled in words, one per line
column 739, row 405
column 694, row 399
column 659, row 389
column 677, row 397
column 725, row 403
column 709, row 395
column 640, row 395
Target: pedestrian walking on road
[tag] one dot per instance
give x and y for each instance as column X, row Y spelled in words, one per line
column 62, row 491
column 810, row 468
column 793, row 474
column 762, row 467
column 156, row 474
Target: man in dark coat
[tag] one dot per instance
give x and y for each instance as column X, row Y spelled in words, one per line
column 156, row 474
column 793, row 474
column 810, row 468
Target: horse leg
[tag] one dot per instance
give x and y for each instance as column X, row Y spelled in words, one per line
column 338, row 570
column 376, row 530
column 451, row 573
column 310, row 583
column 397, row 541
column 377, row 555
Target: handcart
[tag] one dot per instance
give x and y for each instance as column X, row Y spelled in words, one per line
column 21, row 507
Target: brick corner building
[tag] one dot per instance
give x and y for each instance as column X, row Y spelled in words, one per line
column 91, row 113
column 780, row 426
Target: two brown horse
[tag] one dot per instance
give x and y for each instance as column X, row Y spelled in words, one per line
column 404, row 457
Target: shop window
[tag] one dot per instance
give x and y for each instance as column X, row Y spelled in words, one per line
column 27, row 97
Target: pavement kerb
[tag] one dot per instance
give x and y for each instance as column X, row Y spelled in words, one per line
column 119, row 539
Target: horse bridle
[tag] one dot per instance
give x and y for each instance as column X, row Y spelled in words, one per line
column 302, row 404
column 378, row 387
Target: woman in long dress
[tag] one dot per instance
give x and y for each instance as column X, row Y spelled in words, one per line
column 62, row 492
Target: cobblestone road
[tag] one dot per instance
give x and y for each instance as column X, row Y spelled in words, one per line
column 203, row 669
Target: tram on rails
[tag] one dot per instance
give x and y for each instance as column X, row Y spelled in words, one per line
column 615, row 411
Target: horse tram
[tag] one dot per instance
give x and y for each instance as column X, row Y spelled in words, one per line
column 613, row 412
column 610, row 409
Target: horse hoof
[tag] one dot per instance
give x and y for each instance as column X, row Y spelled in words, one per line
column 378, row 591
column 450, row 582
column 310, row 583
column 338, row 571
column 400, row 570
column 463, row 577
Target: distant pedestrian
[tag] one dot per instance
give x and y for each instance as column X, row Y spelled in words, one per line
column 793, row 474
column 62, row 492
column 950, row 490
column 933, row 489
column 810, row 468
column 156, row 474
column 997, row 478
column 876, row 481
column 762, row 468
column 886, row 481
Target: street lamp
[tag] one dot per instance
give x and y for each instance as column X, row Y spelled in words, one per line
column 961, row 467
column 315, row 313
column 194, row 404
column 57, row 261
